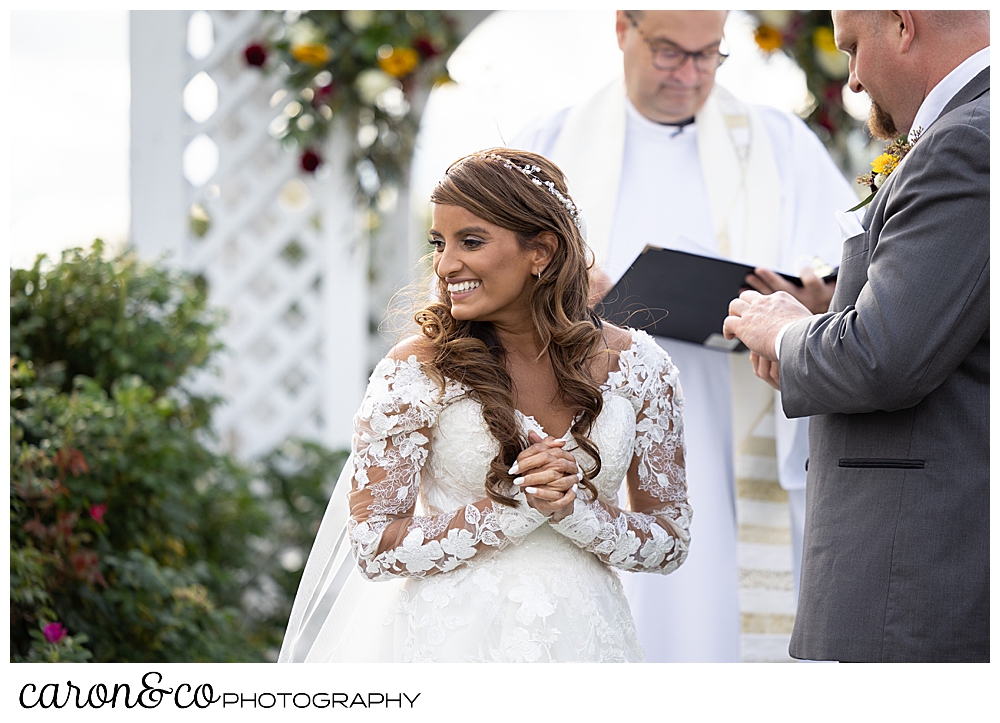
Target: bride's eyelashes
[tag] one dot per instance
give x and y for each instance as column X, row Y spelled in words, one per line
column 469, row 243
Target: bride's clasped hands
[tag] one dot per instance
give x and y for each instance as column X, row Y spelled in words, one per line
column 548, row 474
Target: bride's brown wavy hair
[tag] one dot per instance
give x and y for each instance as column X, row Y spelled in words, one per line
column 471, row 353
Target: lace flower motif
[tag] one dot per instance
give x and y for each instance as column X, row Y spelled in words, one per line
column 535, row 602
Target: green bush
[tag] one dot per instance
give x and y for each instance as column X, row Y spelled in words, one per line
column 133, row 538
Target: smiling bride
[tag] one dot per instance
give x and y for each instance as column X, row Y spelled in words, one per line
column 478, row 517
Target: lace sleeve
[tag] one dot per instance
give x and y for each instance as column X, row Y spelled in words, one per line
column 392, row 436
column 654, row 535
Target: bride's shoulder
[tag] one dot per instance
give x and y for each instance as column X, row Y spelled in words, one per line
column 404, row 364
column 410, row 363
column 626, row 340
column 616, row 338
column 401, row 379
column 415, row 348
column 640, row 357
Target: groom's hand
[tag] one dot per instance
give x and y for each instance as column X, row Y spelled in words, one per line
column 815, row 294
column 766, row 369
column 756, row 319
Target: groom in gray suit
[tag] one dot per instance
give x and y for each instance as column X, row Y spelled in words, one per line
column 896, row 559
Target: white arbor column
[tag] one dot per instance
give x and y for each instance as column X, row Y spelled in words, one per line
column 157, row 58
column 346, row 299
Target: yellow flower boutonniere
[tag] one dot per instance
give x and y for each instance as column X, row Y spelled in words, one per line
column 886, row 164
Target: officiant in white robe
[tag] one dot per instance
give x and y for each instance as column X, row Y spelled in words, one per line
column 667, row 158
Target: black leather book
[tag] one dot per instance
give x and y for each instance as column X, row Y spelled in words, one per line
column 679, row 295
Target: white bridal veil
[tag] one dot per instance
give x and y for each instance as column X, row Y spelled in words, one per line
column 336, row 609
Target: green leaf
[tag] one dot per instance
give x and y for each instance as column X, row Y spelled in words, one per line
column 863, row 203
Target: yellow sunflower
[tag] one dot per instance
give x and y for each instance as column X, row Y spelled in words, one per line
column 885, row 164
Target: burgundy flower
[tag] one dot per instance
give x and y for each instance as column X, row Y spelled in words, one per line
column 65, row 522
column 310, row 160
column 425, row 47
column 86, row 565
column 54, row 632
column 794, row 26
column 256, row 54
column 824, row 119
column 97, row 513
column 323, row 93
column 72, row 460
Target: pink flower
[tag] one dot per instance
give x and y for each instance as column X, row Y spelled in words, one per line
column 97, row 513
column 54, row 632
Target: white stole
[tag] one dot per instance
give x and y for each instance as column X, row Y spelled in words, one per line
column 737, row 165
column 741, row 180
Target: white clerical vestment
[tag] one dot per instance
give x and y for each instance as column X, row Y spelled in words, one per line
column 637, row 183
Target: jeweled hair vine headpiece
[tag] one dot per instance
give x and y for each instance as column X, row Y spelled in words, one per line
column 530, row 171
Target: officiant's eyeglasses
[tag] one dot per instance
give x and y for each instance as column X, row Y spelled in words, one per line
column 668, row 56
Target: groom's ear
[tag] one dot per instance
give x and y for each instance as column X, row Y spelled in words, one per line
column 904, row 30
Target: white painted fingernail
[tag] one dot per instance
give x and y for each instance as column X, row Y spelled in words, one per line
column 513, row 469
column 573, row 488
column 519, row 481
column 531, row 490
column 579, row 475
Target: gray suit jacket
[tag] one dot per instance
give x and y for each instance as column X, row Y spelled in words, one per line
column 896, row 558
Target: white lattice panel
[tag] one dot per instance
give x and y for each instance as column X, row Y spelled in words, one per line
column 281, row 253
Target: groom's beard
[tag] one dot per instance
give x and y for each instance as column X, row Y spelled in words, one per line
column 880, row 123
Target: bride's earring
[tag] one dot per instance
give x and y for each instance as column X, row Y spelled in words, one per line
column 539, row 274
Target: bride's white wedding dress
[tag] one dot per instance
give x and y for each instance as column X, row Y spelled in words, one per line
column 458, row 577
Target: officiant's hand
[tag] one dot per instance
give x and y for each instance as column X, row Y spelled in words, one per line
column 756, row 319
column 814, row 294
column 548, row 475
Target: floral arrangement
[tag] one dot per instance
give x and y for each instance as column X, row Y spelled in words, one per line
column 365, row 69
column 885, row 164
column 806, row 36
